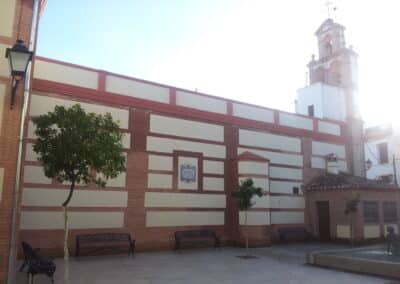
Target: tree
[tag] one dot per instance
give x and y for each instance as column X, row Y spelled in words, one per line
column 244, row 195
column 351, row 209
column 76, row 147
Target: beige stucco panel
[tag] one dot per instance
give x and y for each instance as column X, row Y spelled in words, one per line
column 80, row 198
column 158, row 162
column 276, row 158
column 61, row 73
column 295, row 121
column 1, row 182
column 35, row 174
column 137, row 89
column 254, row 218
column 50, row 220
column 283, row 186
column 7, row 14
column 126, row 140
column 43, row 104
column 213, row 167
column 372, row 231
column 287, row 173
column 261, row 202
column 258, row 168
column 2, row 102
column 268, row 140
column 30, row 155
column 167, row 145
column 159, row 181
column 213, row 183
column 287, row 202
column 4, row 67
column 252, row 112
column 328, row 127
column 287, row 217
column 183, row 218
column 322, row 148
column 343, row 231
column 187, row 200
column 200, row 102
column 186, row 128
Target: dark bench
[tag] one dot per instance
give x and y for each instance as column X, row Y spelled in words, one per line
column 36, row 263
column 293, row 234
column 95, row 242
column 194, row 237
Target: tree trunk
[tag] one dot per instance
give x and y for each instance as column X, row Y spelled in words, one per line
column 66, row 253
column 245, row 232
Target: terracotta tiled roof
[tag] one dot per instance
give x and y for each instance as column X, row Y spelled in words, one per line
column 343, row 181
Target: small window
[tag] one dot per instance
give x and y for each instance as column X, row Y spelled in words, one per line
column 371, row 214
column 295, row 190
column 389, row 211
column 311, row 110
column 383, row 153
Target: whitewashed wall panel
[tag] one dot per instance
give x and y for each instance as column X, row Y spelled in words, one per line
column 343, row 231
column 43, row 104
column 328, row 127
column 320, row 163
column 7, row 13
column 287, row 202
column 159, row 181
column 254, row 218
column 2, row 105
column 268, row 140
column 276, row 158
column 261, row 202
column 323, row 149
column 4, row 66
column 213, row 167
column 186, row 128
column 50, row 220
column 372, row 231
column 286, row 173
column 213, row 183
column 249, row 167
column 158, row 162
column 184, row 218
column 65, row 74
column 252, row 112
column 136, row 89
column 199, row 102
column 35, row 174
column 295, row 121
column 80, row 198
column 283, row 186
column 167, row 145
column 189, row 200
column 287, row 217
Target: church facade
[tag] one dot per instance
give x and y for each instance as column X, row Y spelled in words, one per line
column 185, row 154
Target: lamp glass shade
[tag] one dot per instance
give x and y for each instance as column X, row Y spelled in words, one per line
column 18, row 58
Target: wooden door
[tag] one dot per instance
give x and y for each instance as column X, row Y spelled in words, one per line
column 324, row 225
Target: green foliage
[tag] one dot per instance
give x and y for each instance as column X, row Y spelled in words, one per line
column 245, row 193
column 352, row 205
column 74, row 146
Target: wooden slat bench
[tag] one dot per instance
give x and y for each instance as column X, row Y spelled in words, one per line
column 293, row 234
column 94, row 242
column 195, row 237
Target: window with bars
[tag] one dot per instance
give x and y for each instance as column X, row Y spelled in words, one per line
column 389, row 211
column 371, row 213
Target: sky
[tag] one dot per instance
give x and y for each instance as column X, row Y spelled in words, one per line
column 254, row 51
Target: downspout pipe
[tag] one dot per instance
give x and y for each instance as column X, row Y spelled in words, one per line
column 14, row 220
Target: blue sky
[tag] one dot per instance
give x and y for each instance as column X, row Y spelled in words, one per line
column 254, row 51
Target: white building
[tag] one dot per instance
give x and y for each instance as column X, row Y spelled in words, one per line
column 382, row 149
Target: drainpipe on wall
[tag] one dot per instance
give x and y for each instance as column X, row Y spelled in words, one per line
column 13, row 237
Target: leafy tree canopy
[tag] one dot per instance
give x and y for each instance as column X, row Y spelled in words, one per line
column 74, row 145
column 245, row 193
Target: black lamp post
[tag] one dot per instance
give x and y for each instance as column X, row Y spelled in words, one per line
column 18, row 58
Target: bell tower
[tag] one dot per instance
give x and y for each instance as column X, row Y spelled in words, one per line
column 332, row 90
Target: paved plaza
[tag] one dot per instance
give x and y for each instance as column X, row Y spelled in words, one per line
column 277, row 264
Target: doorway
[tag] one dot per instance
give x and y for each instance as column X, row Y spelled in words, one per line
column 324, row 225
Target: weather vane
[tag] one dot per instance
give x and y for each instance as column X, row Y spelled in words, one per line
column 330, row 9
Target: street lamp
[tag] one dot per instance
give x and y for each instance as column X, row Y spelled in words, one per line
column 18, row 58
